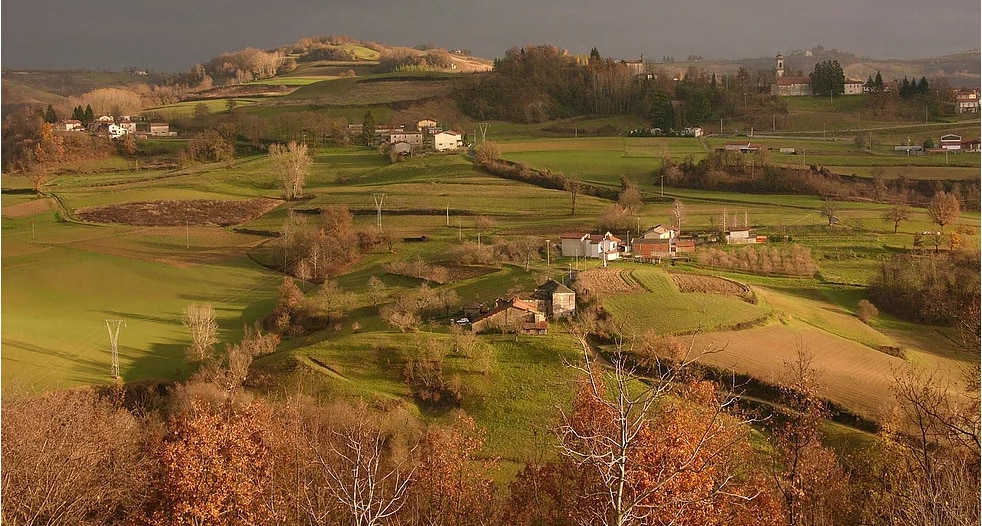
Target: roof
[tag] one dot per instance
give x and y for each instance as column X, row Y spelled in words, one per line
column 450, row 133
column 791, row 81
column 598, row 238
column 573, row 235
column 552, row 287
column 651, row 241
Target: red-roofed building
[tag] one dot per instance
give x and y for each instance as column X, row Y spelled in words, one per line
column 792, row 86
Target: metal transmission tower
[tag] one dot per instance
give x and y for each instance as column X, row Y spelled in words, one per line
column 113, row 339
column 484, row 130
column 379, row 198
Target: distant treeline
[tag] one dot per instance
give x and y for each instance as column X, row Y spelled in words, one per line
column 734, row 171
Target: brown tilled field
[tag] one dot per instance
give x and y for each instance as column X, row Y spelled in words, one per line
column 29, row 208
column 202, row 212
column 608, row 280
column 852, row 375
column 711, row 285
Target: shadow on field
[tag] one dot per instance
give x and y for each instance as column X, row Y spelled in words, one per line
column 170, row 320
column 162, row 361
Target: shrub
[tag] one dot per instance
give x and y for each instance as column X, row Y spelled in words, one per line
column 866, row 311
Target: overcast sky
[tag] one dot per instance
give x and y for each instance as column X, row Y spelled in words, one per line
column 172, row 35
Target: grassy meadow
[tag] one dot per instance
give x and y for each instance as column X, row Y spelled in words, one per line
column 65, row 278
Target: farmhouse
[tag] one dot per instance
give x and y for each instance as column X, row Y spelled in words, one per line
column 127, row 124
column 414, row 138
column 159, row 129
column 742, row 147
column 603, row 246
column 739, row 236
column 967, row 101
column 71, row 125
column 448, row 140
column 950, row 141
column 512, row 316
column 425, row 124
column 555, row 299
column 854, row 87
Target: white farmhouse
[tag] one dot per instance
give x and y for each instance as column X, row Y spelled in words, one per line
column 447, row 140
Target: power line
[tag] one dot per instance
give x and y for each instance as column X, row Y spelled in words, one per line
column 113, row 340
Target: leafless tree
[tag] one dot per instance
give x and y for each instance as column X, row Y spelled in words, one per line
column 829, row 209
column 292, row 165
column 70, row 457
column 678, row 214
column 574, row 188
column 364, row 474
column 897, row 214
column 609, row 450
column 200, row 321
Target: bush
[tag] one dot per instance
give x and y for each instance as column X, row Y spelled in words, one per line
column 866, row 311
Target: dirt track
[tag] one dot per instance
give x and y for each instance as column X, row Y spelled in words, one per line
column 200, row 212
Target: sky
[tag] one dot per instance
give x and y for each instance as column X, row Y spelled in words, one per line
column 173, row 35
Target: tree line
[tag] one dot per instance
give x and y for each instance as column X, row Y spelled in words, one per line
column 675, row 449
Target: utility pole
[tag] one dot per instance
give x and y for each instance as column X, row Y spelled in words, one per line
column 113, row 339
column 448, row 214
column 378, row 198
column 663, row 185
column 32, row 225
column 187, row 233
column 721, row 126
column 547, row 252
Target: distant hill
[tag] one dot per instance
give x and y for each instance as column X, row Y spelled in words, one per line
column 960, row 69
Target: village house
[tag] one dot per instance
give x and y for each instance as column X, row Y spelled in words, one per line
column 555, row 299
column 127, row 124
column 414, row 138
column 159, row 129
column 740, row 236
column 660, row 242
column 967, row 101
column 425, row 124
column 742, row 147
column 603, row 246
column 71, row 125
column 447, row 140
column 951, row 142
column 512, row 315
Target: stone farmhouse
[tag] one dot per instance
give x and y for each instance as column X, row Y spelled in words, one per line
column 512, row 315
column 555, row 299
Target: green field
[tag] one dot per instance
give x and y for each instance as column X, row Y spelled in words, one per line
column 65, row 279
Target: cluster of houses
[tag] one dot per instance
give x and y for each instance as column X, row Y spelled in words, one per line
column 786, row 86
column 949, row 143
column 428, row 134
column 653, row 245
column 109, row 126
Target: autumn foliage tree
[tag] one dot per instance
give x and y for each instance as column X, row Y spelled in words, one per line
column 944, row 209
column 215, row 465
column 668, row 451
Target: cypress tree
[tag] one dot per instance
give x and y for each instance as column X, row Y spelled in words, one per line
column 89, row 114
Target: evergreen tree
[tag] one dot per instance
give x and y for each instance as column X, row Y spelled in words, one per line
column 89, row 115
column 878, row 82
column 827, row 78
column 368, row 129
column 923, row 87
column 595, row 56
column 50, row 115
column 78, row 113
column 905, row 88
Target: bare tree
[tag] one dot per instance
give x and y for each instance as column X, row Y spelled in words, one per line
column 678, row 214
column 70, row 457
column 613, row 438
column 292, row 165
column 377, row 289
column 200, row 321
column 363, row 475
column 574, row 188
column 896, row 214
column 944, row 209
column 829, row 209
